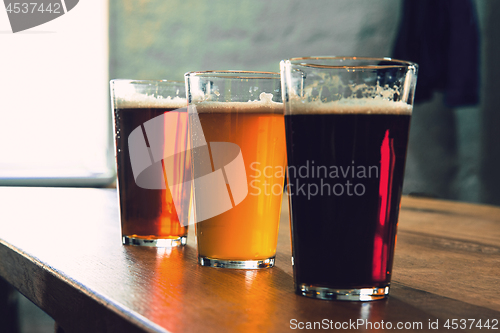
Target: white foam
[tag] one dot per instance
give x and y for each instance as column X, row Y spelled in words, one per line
column 135, row 101
column 350, row 106
column 264, row 105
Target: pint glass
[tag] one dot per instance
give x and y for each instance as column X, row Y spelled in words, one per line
column 151, row 141
column 238, row 141
column 347, row 122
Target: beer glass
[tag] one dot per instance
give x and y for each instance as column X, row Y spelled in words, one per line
column 346, row 123
column 153, row 161
column 238, row 140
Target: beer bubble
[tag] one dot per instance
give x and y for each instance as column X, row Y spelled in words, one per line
column 351, row 106
column 135, row 100
column 264, row 104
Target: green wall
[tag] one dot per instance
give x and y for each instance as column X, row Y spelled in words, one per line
column 453, row 153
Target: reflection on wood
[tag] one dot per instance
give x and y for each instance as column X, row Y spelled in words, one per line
column 65, row 255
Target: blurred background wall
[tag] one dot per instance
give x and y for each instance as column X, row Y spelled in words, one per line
column 454, row 152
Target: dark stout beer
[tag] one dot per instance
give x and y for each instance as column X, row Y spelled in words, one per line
column 344, row 235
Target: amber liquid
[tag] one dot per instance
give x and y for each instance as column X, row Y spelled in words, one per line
column 148, row 213
column 248, row 231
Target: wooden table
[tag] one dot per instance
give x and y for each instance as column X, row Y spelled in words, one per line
column 61, row 248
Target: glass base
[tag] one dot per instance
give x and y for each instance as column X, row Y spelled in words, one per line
column 154, row 242
column 362, row 294
column 237, row 264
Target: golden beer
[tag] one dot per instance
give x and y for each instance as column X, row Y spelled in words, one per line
column 248, row 231
column 239, row 155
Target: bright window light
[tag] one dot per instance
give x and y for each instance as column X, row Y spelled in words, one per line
column 54, row 100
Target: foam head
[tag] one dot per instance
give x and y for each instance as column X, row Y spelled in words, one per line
column 136, row 101
column 265, row 104
column 351, row 106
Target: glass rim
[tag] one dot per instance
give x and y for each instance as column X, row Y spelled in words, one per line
column 307, row 62
column 146, row 81
column 233, row 74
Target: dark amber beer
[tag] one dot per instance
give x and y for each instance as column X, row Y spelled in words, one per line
column 346, row 148
column 148, row 215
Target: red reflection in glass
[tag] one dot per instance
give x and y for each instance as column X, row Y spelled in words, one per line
column 380, row 244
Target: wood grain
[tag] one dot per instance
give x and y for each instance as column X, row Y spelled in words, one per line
column 61, row 248
column 450, row 249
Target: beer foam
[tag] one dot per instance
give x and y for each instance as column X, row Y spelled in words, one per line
column 351, row 106
column 265, row 104
column 135, row 101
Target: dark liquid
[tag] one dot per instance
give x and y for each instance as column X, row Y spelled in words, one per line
column 145, row 213
column 345, row 236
